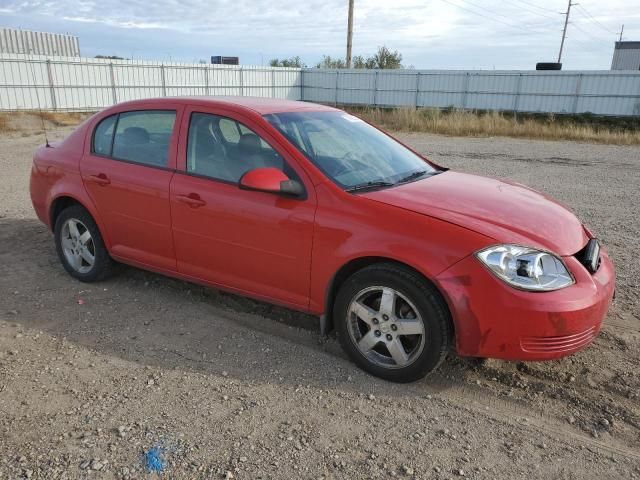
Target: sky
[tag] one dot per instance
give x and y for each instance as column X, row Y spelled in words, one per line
column 430, row 34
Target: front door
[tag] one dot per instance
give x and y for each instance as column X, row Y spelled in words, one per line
column 252, row 242
column 127, row 170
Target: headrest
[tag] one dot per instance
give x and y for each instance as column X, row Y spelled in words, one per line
column 135, row 136
column 249, row 143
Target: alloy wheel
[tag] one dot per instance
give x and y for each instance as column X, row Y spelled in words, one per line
column 77, row 245
column 386, row 327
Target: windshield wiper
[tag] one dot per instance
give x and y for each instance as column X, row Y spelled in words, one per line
column 369, row 185
column 418, row 174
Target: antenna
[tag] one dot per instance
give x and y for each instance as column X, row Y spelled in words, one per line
column 44, row 128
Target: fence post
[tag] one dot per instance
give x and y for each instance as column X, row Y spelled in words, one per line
column 465, row 91
column 417, row 89
column 114, row 94
column 52, row 90
column 164, row 85
column 241, row 83
column 516, row 100
column 577, row 94
column 335, row 100
column 205, row 70
column 375, row 88
column 302, row 84
column 273, row 83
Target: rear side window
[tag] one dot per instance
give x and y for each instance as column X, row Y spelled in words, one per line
column 142, row 137
column 103, row 136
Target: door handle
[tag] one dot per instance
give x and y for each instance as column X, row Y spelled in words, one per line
column 100, row 179
column 193, row 200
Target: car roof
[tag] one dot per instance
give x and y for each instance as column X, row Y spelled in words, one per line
column 258, row 105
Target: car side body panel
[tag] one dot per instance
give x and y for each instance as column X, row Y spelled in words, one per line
column 288, row 251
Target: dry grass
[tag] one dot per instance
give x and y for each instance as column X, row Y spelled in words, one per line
column 61, row 119
column 4, row 124
column 31, row 121
column 464, row 123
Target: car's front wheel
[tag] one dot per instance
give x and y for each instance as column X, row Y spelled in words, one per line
column 392, row 323
column 80, row 246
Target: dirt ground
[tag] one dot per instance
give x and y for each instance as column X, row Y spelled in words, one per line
column 94, row 376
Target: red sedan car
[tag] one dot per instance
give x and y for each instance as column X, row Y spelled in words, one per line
column 309, row 207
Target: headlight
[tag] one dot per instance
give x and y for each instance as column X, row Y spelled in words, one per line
column 526, row 268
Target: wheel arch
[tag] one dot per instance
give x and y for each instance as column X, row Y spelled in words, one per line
column 356, row 264
column 65, row 200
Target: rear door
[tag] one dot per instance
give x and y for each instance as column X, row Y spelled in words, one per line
column 253, row 242
column 127, row 169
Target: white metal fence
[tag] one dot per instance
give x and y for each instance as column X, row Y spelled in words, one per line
column 58, row 83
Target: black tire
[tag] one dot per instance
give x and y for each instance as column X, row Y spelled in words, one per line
column 427, row 300
column 103, row 265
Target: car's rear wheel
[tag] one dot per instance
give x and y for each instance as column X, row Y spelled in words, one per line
column 392, row 323
column 80, row 246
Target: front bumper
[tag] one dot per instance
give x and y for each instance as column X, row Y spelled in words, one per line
column 494, row 320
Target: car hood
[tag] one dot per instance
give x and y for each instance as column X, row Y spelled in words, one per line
column 507, row 212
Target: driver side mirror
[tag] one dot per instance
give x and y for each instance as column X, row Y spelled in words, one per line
column 270, row 180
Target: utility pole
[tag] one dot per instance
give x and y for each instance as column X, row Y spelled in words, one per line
column 349, row 33
column 621, row 32
column 564, row 31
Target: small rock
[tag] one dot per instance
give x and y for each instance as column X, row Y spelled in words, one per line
column 96, row 465
column 151, row 381
column 407, row 470
column 571, row 419
column 225, row 374
column 85, row 464
column 225, row 397
column 228, row 475
column 371, row 397
column 243, row 459
column 459, row 472
column 604, row 422
column 13, row 312
column 437, row 469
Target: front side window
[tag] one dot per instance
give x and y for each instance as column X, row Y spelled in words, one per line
column 144, row 137
column 221, row 148
column 349, row 151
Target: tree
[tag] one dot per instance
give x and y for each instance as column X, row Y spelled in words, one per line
column 110, row 57
column 293, row 62
column 330, row 62
column 385, row 59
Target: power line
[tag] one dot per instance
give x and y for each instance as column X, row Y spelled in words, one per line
column 594, row 20
column 536, row 6
column 493, row 18
column 546, row 15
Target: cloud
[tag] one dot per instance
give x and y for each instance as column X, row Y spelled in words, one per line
column 429, row 33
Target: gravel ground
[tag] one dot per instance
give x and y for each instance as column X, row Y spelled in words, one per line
column 93, row 377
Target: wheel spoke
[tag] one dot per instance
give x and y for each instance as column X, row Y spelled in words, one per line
column 86, row 254
column 73, row 229
column 388, row 302
column 363, row 312
column 85, row 237
column 396, row 350
column 367, row 342
column 75, row 261
column 67, row 244
column 409, row 326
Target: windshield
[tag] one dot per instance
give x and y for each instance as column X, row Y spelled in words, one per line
column 349, row 151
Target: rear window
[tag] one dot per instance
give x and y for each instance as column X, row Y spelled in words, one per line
column 140, row 136
column 103, row 136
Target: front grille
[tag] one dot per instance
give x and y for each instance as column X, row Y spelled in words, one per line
column 558, row 344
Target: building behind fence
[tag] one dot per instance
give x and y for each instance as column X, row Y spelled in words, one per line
column 81, row 84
